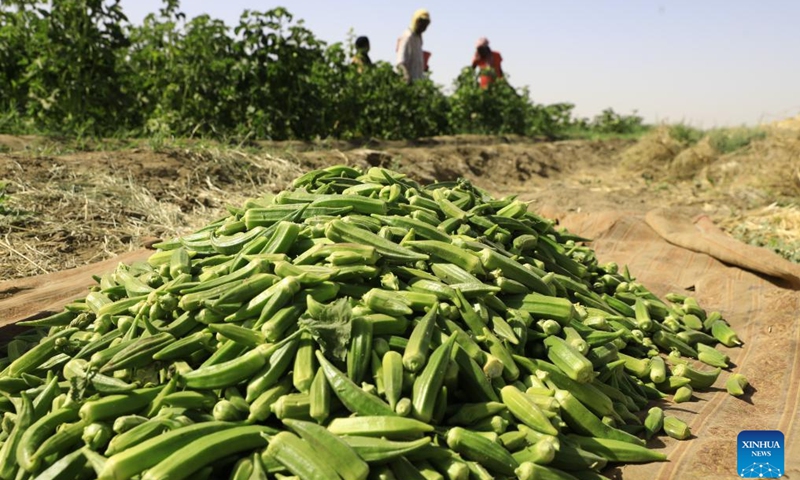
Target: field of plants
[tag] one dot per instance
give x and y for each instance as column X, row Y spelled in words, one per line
column 81, row 69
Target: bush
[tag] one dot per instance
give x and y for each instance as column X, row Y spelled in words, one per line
column 501, row 109
column 380, row 105
column 611, row 122
column 497, row 110
column 80, row 68
column 727, row 140
column 59, row 65
column 685, row 135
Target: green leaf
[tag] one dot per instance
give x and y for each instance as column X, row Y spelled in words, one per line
column 330, row 327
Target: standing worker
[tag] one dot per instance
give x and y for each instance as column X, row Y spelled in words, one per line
column 361, row 58
column 410, row 58
column 487, row 62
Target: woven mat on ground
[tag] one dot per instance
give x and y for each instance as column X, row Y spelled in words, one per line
column 42, row 295
column 755, row 290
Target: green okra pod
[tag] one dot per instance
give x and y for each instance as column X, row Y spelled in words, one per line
column 344, row 459
column 736, row 384
column 653, row 422
column 33, row 436
column 429, row 382
column 725, row 334
column 112, row 406
column 8, row 464
column 697, row 378
column 676, row 428
column 583, row 421
column 274, row 368
column 351, row 395
column 182, row 462
column 231, row 372
column 616, row 450
column 34, row 357
column 416, row 352
column 482, row 450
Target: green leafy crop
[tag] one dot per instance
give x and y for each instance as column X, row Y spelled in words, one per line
column 80, row 68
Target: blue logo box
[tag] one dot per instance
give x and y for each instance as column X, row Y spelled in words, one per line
column 759, row 454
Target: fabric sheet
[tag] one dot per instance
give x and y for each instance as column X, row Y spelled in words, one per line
column 692, row 256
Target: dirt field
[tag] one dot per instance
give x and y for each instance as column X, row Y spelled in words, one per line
column 64, row 208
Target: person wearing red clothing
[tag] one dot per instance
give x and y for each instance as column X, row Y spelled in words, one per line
column 488, row 63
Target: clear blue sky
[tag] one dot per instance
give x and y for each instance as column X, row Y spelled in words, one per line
column 705, row 62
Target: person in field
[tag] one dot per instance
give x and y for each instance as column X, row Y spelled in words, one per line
column 410, row 57
column 361, row 58
column 487, row 62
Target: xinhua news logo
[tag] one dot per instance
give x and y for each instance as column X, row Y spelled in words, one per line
column 759, row 454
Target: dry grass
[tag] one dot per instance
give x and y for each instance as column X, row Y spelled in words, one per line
column 680, row 152
column 67, row 214
column 775, row 227
column 56, row 218
column 692, row 160
column 653, row 152
column 780, row 155
column 788, row 124
column 769, row 167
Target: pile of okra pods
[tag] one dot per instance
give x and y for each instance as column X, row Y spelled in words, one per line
column 359, row 325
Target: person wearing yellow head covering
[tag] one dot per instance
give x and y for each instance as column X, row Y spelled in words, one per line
column 410, row 58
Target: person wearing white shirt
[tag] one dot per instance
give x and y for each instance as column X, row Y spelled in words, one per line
column 410, row 58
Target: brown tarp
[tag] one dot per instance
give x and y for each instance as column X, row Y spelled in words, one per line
column 752, row 288
column 764, row 310
column 35, row 297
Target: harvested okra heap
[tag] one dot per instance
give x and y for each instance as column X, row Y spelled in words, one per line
column 358, row 325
